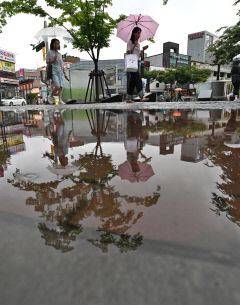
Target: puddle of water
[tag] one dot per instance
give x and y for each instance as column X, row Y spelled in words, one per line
column 129, row 175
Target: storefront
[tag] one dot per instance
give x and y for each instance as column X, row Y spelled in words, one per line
column 9, row 84
column 8, row 87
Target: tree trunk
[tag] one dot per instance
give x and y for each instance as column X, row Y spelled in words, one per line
column 96, row 79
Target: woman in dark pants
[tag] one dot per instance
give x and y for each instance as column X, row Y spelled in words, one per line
column 133, row 78
column 235, row 72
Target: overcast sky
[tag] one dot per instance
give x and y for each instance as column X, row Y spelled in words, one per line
column 176, row 20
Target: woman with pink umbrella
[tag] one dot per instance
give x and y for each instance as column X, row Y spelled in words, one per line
column 133, row 78
column 135, row 29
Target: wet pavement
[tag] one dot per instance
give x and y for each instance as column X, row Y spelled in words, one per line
column 120, row 206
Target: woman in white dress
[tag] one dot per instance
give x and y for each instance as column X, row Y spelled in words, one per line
column 54, row 58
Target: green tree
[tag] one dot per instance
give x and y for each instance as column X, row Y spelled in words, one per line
column 224, row 49
column 87, row 21
column 183, row 74
column 199, row 75
column 170, row 76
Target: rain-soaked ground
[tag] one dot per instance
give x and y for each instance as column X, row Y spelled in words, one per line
column 119, row 206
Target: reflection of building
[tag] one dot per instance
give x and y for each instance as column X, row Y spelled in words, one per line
column 8, row 80
column 167, row 142
column 11, row 137
column 192, row 150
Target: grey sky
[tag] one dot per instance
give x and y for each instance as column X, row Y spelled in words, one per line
column 176, row 20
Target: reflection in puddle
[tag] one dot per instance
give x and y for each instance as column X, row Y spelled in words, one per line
column 106, row 170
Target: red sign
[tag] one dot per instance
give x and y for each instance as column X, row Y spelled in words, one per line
column 196, row 35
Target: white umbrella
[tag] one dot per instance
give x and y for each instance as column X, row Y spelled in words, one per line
column 62, row 170
column 53, row 32
column 237, row 57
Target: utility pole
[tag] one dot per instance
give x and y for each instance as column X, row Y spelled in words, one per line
column 116, row 79
column 45, row 38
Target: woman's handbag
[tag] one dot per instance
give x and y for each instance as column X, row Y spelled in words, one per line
column 131, row 63
column 49, row 71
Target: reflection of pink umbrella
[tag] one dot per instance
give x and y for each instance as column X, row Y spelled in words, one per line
column 125, row 172
column 146, row 23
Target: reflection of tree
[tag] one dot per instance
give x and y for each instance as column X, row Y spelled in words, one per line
column 69, row 206
column 123, row 242
column 95, row 169
column 87, row 195
column 228, row 198
column 178, row 127
column 60, row 240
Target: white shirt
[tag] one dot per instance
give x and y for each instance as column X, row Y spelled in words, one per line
column 136, row 49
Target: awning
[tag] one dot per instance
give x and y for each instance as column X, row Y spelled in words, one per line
column 9, row 81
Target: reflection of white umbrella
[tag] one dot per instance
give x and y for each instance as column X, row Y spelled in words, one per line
column 53, row 32
column 62, row 170
column 26, row 177
column 237, row 57
column 232, row 145
column 234, row 142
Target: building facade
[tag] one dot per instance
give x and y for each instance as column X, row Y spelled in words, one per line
column 8, row 80
column 30, row 82
column 198, row 44
column 170, row 58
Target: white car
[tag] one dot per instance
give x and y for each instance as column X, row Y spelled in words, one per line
column 13, row 101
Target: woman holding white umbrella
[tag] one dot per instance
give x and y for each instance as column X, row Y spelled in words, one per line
column 54, row 58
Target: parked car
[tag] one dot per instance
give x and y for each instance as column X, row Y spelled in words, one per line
column 13, row 101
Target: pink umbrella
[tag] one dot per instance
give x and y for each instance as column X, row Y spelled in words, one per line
column 146, row 23
column 125, row 172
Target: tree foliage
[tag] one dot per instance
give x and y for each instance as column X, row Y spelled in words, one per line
column 181, row 75
column 227, row 46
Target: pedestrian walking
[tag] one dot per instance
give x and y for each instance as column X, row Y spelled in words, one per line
column 179, row 96
column 133, row 78
column 235, row 73
column 54, row 58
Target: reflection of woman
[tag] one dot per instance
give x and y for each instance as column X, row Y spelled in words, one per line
column 232, row 138
column 61, row 139
column 135, row 140
column 235, row 72
column 133, row 78
column 55, row 59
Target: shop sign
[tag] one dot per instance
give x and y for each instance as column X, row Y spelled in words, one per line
column 196, row 35
column 9, row 81
column 7, row 66
column 7, row 56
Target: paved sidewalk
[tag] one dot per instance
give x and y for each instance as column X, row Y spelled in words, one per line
column 137, row 105
column 157, row 273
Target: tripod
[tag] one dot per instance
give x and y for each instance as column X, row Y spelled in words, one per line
column 99, row 78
